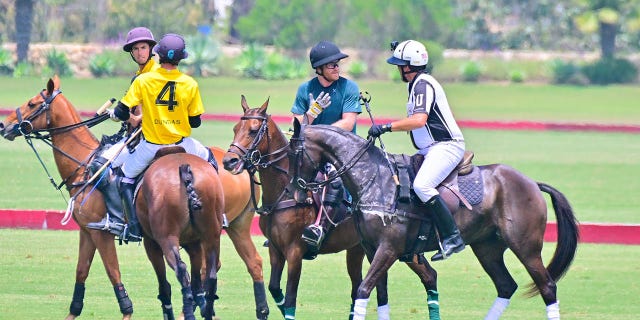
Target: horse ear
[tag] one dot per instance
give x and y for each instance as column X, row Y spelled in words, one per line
column 296, row 127
column 244, row 104
column 264, row 106
column 50, row 86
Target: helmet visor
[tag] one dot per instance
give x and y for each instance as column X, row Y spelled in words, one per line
column 397, row 62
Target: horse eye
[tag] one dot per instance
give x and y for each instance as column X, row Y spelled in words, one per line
column 31, row 104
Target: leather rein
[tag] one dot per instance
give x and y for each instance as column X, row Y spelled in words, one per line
column 25, row 128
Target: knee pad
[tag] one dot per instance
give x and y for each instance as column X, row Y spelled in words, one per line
column 334, row 192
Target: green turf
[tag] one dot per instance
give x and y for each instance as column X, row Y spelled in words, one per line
column 470, row 101
column 37, row 277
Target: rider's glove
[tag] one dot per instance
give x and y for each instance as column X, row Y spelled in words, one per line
column 112, row 115
column 377, row 130
column 317, row 105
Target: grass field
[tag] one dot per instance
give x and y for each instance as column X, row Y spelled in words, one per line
column 602, row 104
column 37, row 276
column 598, row 172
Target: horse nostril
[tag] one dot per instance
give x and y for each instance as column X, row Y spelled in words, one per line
column 230, row 163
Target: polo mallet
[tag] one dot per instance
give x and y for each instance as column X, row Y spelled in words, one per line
column 105, row 106
column 134, row 134
column 365, row 101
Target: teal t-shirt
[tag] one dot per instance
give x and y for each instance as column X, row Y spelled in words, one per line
column 344, row 94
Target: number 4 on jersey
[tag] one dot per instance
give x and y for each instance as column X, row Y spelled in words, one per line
column 170, row 89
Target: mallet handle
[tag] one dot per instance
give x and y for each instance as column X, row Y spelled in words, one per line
column 105, row 106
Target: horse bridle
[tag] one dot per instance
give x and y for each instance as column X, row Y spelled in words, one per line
column 251, row 157
column 299, row 153
column 252, row 160
column 25, row 128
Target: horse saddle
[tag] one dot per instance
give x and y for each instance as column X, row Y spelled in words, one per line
column 160, row 153
column 463, row 183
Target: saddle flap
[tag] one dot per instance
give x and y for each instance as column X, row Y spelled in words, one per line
column 405, row 176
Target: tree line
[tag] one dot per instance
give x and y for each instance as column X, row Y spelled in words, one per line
column 609, row 26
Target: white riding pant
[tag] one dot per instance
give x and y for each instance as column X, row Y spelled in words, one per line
column 439, row 160
column 110, row 153
column 134, row 163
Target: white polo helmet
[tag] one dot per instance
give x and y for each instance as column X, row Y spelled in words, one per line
column 411, row 53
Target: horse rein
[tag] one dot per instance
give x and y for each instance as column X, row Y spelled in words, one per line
column 25, row 128
column 315, row 186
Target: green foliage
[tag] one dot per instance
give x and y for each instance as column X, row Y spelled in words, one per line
column 6, row 62
column 471, row 71
column 251, row 61
column 102, row 65
column 298, row 24
column 294, row 24
column 281, row 67
column 161, row 17
column 255, row 62
column 517, row 76
column 608, row 71
column 436, row 54
column 394, row 75
column 357, row 69
column 204, row 51
column 23, row 69
column 566, row 72
column 58, row 63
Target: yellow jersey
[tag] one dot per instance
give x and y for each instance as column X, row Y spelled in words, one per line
column 168, row 99
column 151, row 65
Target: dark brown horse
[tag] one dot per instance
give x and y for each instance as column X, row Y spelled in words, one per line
column 259, row 145
column 49, row 116
column 512, row 214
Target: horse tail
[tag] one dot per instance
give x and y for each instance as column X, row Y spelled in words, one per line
column 193, row 200
column 568, row 233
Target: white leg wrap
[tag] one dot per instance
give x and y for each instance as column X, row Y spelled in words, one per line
column 383, row 312
column 360, row 309
column 553, row 311
column 498, row 307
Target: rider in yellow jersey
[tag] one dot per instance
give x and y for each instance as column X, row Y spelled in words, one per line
column 171, row 106
column 139, row 44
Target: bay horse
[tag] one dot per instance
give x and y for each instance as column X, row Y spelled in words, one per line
column 512, row 214
column 260, row 146
column 50, row 117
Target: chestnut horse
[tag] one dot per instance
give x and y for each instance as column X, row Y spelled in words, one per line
column 512, row 213
column 259, row 145
column 58, row 124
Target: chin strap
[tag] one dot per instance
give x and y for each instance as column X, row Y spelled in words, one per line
column 322, row 75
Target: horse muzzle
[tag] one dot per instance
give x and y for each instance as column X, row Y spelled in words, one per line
column 233, row 165
column 9, row 132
